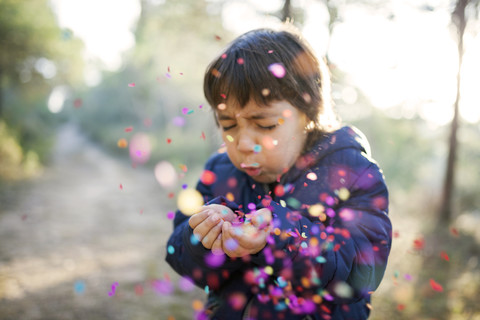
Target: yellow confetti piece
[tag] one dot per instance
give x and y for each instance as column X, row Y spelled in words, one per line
column 343, row 194
column 283, row 203
column 268, row 270
column 230, row 196
column 281, row 121
column 229, row 138
column 277, row 231
column 189, row 201
column 122, row 143
column 316, row 210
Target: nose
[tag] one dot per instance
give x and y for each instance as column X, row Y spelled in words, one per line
column 246, row 142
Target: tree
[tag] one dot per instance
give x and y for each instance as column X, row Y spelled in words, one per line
column 459, row 20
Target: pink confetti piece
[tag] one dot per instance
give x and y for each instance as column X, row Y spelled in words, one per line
column 121, row 186
column 203, row 135
column 277, row 69
column 240, row 61
column 131, row 85
column 128, row 129
column 170, row 215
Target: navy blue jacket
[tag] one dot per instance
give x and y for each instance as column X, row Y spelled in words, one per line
column 328, row 248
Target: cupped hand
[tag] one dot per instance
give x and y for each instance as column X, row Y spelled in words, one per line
column 207, row 224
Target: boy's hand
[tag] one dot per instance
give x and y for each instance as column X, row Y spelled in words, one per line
column 207, row 224
column 248, row 238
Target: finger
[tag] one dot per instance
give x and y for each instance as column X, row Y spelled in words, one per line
column 262, row 218
column 226, row 213
column 212, row 235
column 204, row 227
column 217, row 246
column 196, row 219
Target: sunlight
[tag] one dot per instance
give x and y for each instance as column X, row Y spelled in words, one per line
column 105, row 26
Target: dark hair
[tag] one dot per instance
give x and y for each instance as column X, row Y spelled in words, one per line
column 244, row 71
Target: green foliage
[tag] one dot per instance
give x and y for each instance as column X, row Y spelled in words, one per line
column 35, row 56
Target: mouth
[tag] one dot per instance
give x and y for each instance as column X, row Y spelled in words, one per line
column 252, row 170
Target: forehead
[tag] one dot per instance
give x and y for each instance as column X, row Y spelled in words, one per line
column 253, row 110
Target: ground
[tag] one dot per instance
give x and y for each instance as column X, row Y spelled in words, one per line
column 88, row 222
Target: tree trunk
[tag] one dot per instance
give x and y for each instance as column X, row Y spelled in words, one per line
column 286, row 11
column 446, row 209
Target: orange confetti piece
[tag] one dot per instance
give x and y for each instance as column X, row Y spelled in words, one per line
column 436, row 286
column 197, row 305
column 122, row 143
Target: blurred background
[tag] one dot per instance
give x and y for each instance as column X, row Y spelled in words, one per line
column 103, row 122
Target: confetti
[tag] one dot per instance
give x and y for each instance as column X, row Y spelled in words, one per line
column 79, row 287
column 257, row 148
column 139, row 290
column 140, row 148
column 186, row 284
column 114, row 287
column 128, row 129
column 265, row 92
column 189, row 201
column 224, row 56
column 343, row 194
column 444, row 256
column 170, row 215
column 311, row 176
column 131, row 85
column 77, row 103
column 419, row 243
column 277, row 69
column 214, row 260
column 178, row 121
column 169, row 140
column 240, row 61
column 121, row 186
column 222, row 106
column 163, row 287
column 122, row 143
column 197, row 305
column 436, row 286
column 229, row 138
column 165, row 174
column 208, row 177
column 203, row 135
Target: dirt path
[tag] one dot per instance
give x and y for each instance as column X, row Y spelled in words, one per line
column 66, row 238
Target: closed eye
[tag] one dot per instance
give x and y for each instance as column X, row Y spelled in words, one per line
column 267, row 127
column 228, row 127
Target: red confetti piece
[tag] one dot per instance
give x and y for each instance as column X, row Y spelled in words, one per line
column 223, row 95
column 396, row 234
column 217, row 37
column 77, row 103
column 436, row 286
column 121, row 186
column 454, row 232
column 400, row 307
column 131, row 85
column 208, row 177
column 240, row 61
column 203, row 135
column 169, row 140
column 444, row 255
column 419, row 243
column 128, row 129
column 171, row 195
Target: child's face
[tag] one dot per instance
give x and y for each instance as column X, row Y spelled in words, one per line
column 263, row 141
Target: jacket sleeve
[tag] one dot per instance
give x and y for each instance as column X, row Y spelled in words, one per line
column 341, row 252
column 188, row 257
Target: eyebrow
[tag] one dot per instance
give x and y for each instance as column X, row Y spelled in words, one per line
column 253, row 117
